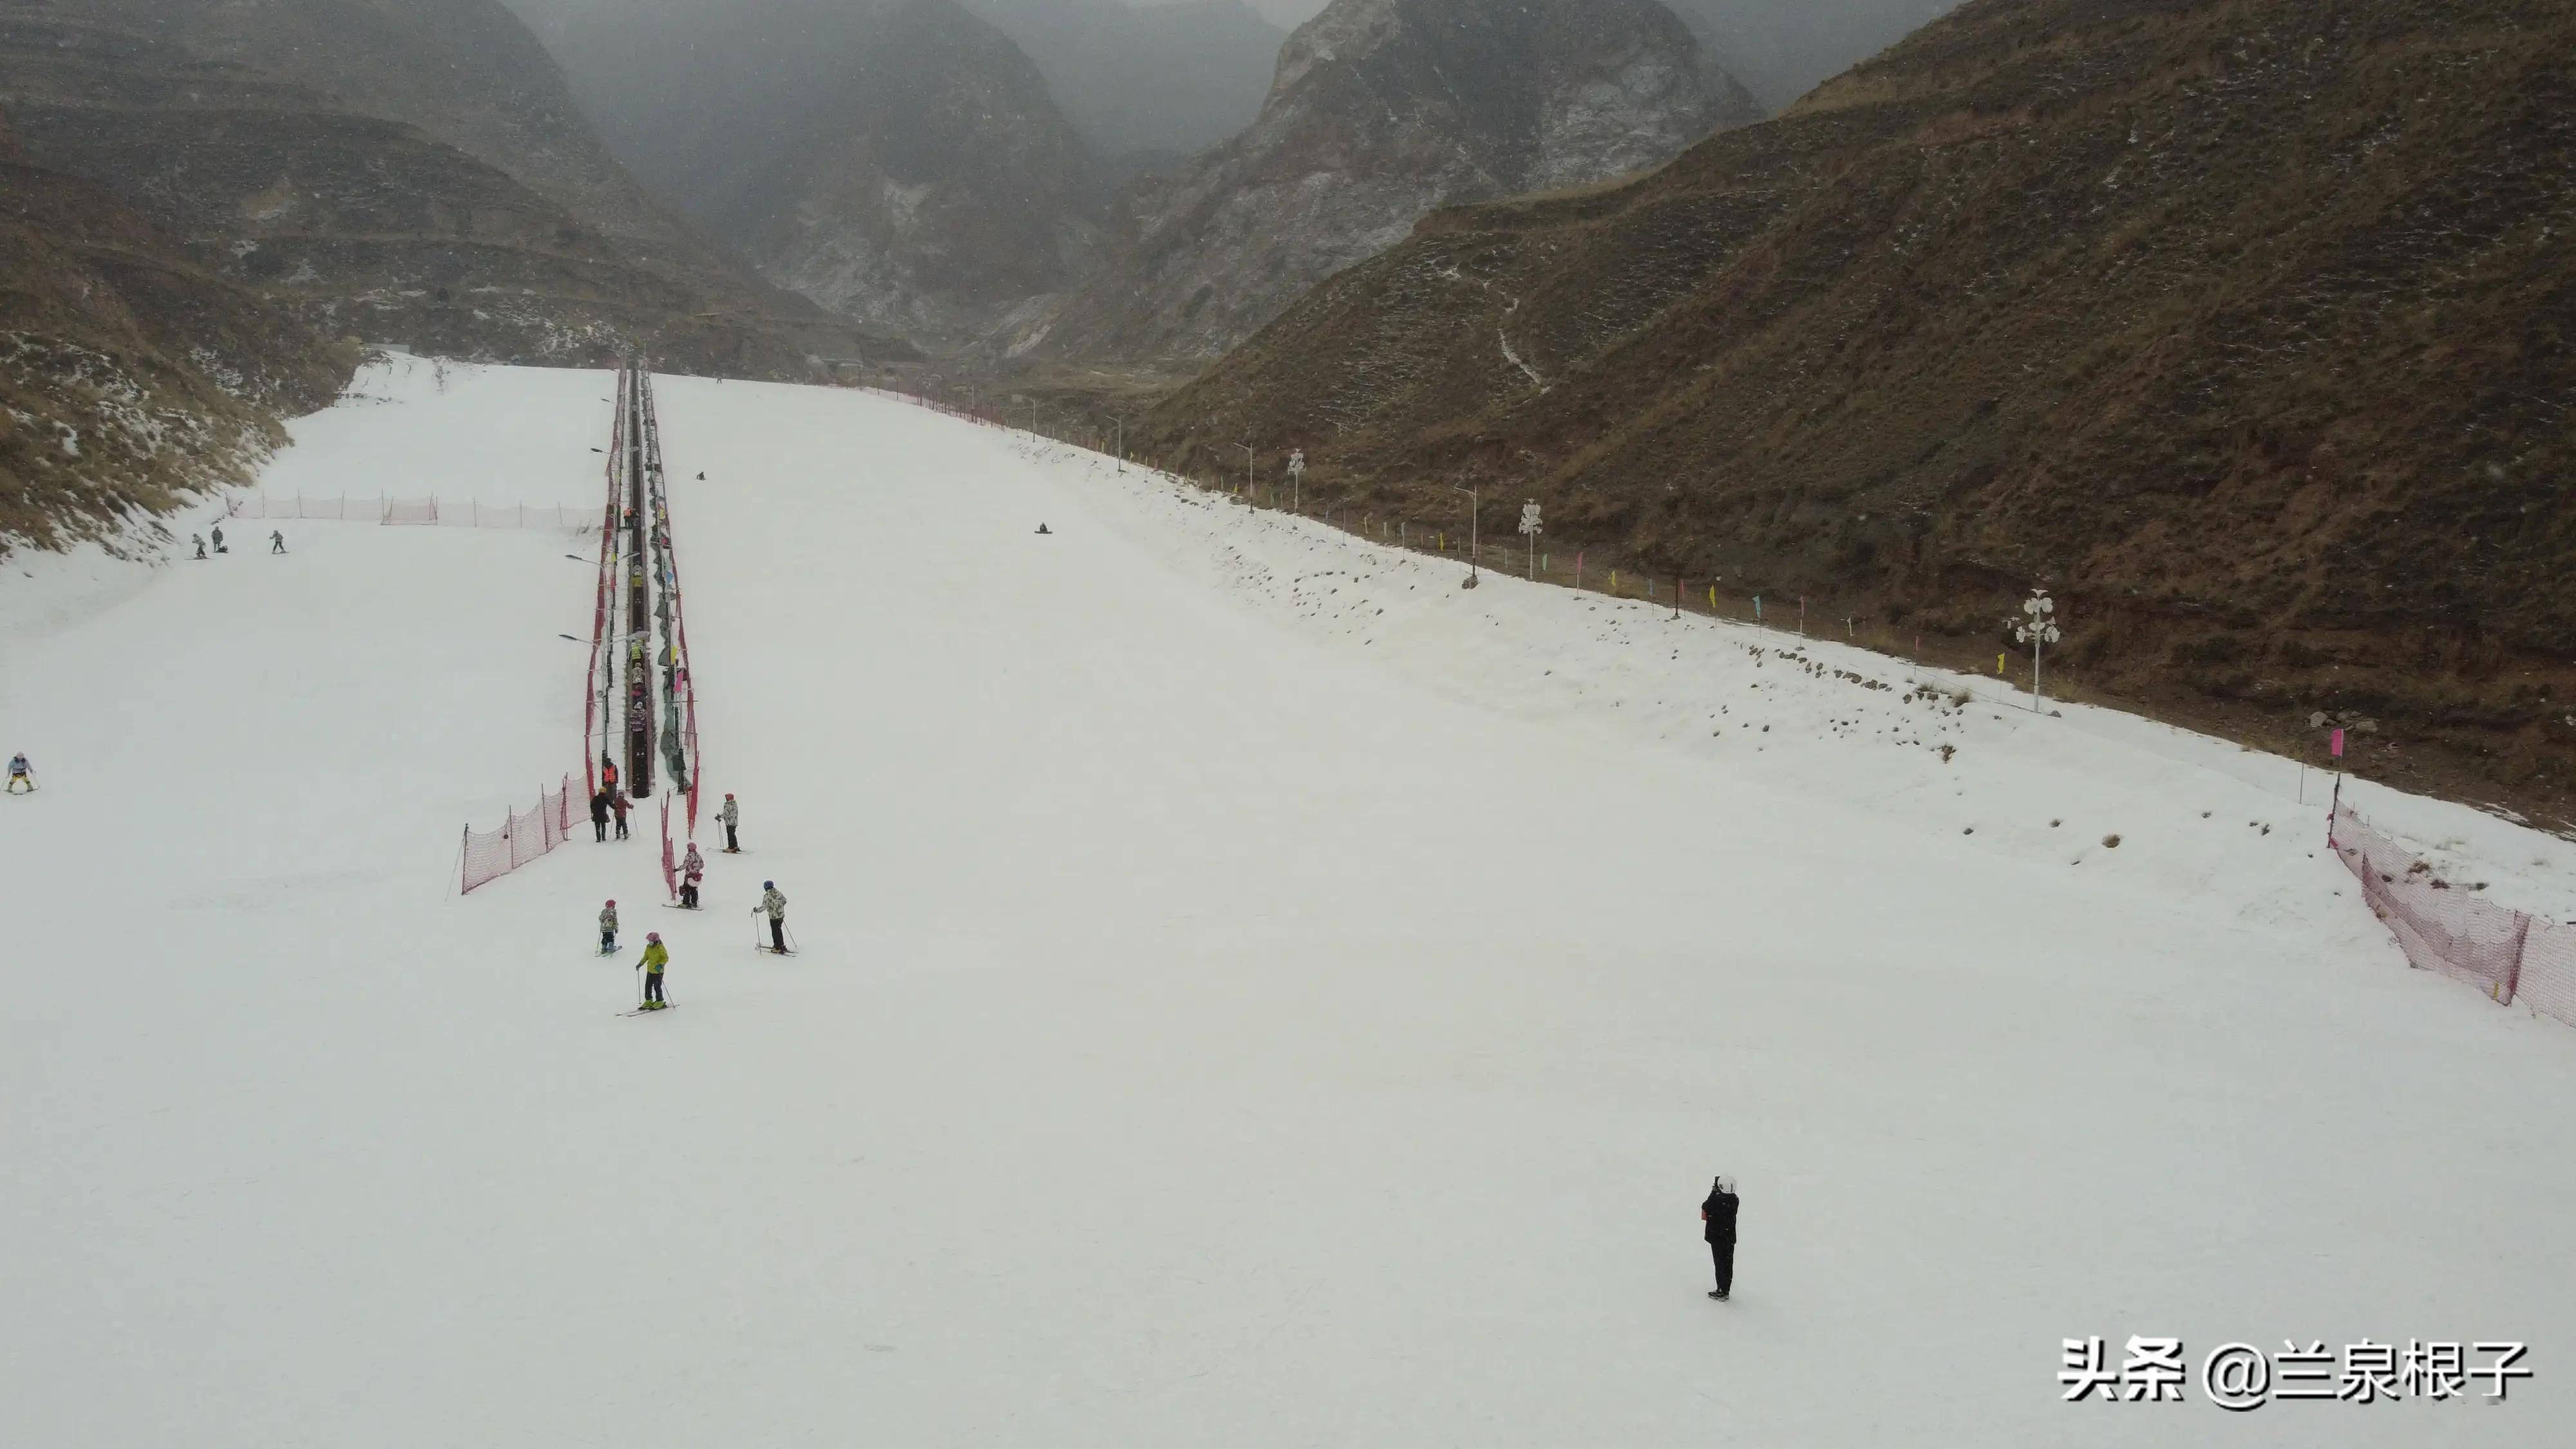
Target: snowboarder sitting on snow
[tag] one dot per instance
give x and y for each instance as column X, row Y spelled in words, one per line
column 608, row 930
column 1719, row 1214
column 692, row 871
column 277, row 540
column 21, row 773
column 617, row 807
column 773, row 905
column 599, row 815
column 656, row 956
column 731, row 815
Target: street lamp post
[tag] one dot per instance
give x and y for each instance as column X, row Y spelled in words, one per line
column 2038, row 629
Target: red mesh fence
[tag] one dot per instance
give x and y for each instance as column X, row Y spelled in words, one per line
column 670, row 863
column 2508, row 954
column 591, row 745
column 489, row 855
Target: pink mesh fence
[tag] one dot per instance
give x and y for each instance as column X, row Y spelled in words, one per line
column 489, row 855
column 2508, row 954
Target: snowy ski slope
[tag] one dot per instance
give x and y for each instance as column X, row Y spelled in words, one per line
column 1254, row 993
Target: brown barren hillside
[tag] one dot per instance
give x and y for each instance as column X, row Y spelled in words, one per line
column 2243, row 325
column 130, row 376
column 336, row 205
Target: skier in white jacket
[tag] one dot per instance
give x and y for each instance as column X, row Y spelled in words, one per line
column 774, row 906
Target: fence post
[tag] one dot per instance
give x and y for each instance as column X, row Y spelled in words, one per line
column 2513, row 973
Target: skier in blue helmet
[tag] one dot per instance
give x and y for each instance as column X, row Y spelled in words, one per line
column 774, row 906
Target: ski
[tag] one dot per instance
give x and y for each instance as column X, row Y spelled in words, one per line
column 646, row 1011
column 772, row 951
column 669, row 906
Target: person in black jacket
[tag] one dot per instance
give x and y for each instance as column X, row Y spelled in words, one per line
column 1719, row 1214
column 599, row 815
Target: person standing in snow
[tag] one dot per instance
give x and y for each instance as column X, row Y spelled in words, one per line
column 599, row 816
column 774, row 906
column 608, row 774
column 731, row 815
column 693, row 870
column 656, row 957
column 199, row 540
column 21, row 773
column 608, row 930
column 219, row 539
column 617, row 807
column 1718, row 1213
column 277, row 540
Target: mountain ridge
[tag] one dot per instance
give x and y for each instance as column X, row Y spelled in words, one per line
column 1380, row 111
column 2236, row 323
column 203, row 115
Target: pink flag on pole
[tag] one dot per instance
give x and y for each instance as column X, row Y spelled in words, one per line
column 2338, row 744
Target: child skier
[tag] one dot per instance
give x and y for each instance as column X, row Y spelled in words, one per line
column 277, row 540
column 199, row 540
column 608, row 930
column 617, row 806
column 656, row 956
column 692, row 871
column 21, row 773
column 774, row 906
column 731, row 815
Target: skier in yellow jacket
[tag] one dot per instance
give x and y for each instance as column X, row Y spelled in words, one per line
column 656, row 957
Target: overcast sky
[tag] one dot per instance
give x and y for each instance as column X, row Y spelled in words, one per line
column 1286, row 14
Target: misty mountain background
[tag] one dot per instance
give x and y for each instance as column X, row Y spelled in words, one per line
column 941, row 167
column 1149, row 82
column 1143, row 85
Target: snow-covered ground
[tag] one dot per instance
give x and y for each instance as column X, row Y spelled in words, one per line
column 1254, row 993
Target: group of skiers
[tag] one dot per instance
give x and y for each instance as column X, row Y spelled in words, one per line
column 276, row 541
column 693, row 873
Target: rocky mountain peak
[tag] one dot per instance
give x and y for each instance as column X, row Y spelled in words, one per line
column 937, row 186
column 1381, row 111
